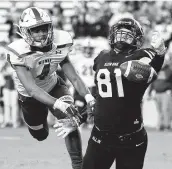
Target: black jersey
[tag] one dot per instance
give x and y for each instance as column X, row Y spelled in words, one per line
column 118, row 100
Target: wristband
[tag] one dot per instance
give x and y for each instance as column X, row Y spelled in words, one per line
column 88, row 98
column 62, row 106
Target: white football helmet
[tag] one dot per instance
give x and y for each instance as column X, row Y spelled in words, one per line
column 32, row 21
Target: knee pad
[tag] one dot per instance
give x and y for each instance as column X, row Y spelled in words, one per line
column 40, row 133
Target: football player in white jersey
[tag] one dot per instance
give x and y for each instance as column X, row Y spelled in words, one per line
column 35, row 59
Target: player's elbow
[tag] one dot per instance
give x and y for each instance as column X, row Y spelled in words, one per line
column 74, row 80
column 32, row 91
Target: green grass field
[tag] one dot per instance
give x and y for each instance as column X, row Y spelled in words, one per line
column 18, row 150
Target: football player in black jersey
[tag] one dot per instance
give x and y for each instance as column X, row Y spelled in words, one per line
column 118, row 133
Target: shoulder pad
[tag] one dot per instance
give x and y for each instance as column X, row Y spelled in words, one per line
column 97, row 59
column 16, row 52
column 18, row 47
column 99, row 55
column 62, row 38
column 103, row 52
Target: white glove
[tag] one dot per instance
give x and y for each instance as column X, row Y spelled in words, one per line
column 69, row 110
column 64, row 127
column 157, row 42
column 90, row 101
column 90, row 106
column 62, row 106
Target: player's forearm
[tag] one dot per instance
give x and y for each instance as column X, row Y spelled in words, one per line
column 83, row 90
column 76, row 81
column 80, row 86
column 157, row 62
column 42, row 96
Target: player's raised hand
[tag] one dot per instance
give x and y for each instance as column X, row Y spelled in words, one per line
column 157, row 42
column 64, row 127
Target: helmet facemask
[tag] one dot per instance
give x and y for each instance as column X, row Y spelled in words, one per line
column 123, row 38
column 38, row 35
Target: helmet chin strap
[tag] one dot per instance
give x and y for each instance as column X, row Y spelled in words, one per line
column 41, row 49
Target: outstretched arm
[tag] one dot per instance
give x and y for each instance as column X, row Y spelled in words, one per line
column 158, row 45
column 75, row 79
column 32, row 89
column 39, row 94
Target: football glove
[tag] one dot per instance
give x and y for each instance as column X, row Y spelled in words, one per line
column 69, row 110
column 90, row 110
column 64, row 127
column 157, row 42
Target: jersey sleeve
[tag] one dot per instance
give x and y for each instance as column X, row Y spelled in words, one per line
column 145, row 53
column 95, row 63
column 156, row 61
column 63, row 41
column 64, row 50
column 62, row 37
column 14, row 58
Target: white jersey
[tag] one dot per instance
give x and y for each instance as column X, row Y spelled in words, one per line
column 42, row 65
column 84, row 64
column 84, row 67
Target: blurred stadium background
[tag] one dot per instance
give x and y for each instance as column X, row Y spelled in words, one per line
column 88, row 22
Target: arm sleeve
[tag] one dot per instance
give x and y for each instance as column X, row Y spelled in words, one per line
column 66, row 50
column 157, row 62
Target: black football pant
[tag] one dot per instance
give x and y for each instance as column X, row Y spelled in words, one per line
column 35, row 115
column 104, row 148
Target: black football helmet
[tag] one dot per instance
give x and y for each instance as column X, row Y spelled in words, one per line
column 126, row 33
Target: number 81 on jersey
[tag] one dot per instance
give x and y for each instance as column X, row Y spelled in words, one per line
column 107, row 82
